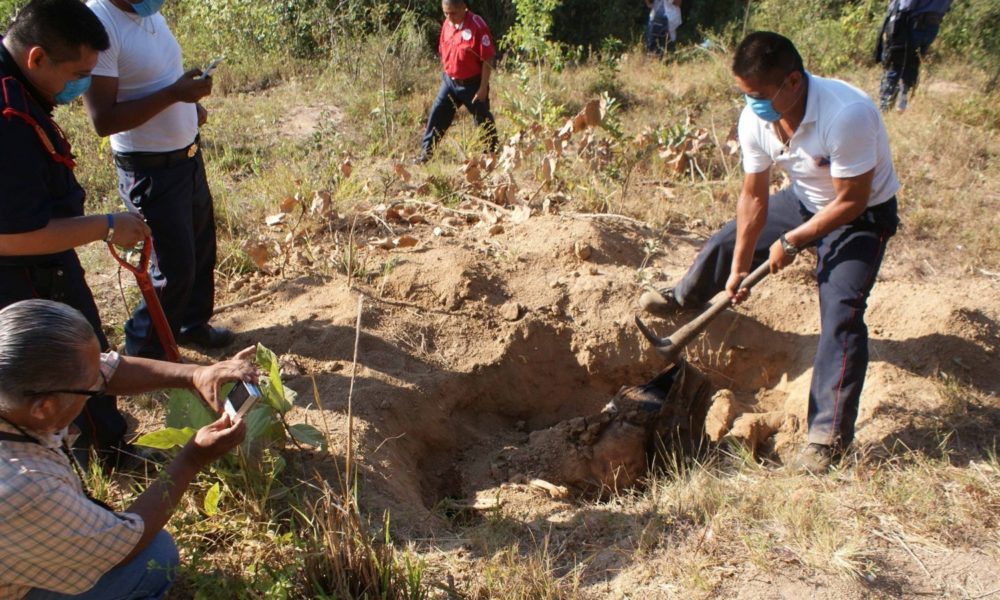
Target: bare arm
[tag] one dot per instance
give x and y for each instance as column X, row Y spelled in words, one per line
column 110, row 116
column 483, row 93
column 158, row 501
column 136, row 375
column 65, row 234
column 751, row 215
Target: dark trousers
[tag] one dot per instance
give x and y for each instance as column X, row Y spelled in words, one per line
column 901, row 59
column 177, row 205
column 61, row 279
column 847, row 261
column 450, row 97
column 657, row 29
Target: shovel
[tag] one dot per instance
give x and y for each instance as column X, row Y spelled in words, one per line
column 156, row 314
column 671, row 347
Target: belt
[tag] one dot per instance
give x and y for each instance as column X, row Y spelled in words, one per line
column 466, row 81
column 133, row 161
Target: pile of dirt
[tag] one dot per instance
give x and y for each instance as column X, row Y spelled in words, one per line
column 474, row 346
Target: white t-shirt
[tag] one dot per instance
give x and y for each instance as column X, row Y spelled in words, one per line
column 145, row 58
column 841, row 135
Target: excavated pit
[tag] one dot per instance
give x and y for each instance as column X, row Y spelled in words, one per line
column 476, row 342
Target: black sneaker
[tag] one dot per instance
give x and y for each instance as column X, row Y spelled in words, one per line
column 206, row 336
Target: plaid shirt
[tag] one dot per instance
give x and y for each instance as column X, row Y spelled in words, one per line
column 51, row 535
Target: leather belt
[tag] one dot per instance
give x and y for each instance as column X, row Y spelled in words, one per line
column 466, row 81
column 134, row 161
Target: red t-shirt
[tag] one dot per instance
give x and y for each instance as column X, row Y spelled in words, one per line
column 464, row 49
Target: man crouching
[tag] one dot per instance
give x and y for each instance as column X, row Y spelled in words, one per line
column 57, row 541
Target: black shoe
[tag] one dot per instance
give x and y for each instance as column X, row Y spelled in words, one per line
column 206, row 336
column 814, row 459
column 661, row 303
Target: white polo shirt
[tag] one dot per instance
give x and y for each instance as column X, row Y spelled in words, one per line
column 145, row 58
column 841, row 135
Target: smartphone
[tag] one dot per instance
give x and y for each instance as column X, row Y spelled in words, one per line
column 207, row 71
column 241, row 399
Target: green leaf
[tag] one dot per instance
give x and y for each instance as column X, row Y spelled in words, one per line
column 186, row 409
column 167, row 438
column 307, row 434
column 274, row 391
column 211, row 504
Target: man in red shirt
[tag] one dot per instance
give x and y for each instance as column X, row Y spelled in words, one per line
column 467, row 49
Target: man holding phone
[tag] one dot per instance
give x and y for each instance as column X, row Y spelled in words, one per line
column 143, row 99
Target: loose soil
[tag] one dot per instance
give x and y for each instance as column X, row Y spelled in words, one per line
column 471, row 345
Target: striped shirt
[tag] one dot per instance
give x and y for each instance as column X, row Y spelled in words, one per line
column 51, row 535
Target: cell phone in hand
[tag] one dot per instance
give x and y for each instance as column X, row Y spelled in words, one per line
column 208, row 70
column 241, row 399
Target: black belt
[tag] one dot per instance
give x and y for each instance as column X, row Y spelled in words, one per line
column 135, row 161
column 465, row 82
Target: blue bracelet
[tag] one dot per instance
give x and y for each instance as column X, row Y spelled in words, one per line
column 111, row 227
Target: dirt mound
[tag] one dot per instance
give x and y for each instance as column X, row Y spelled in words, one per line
column 471, row 343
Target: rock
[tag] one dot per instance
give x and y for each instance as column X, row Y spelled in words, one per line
column 720, row 415
column 582, row 250
column 511, row 311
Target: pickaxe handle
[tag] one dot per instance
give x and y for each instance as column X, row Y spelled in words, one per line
column 671, row 347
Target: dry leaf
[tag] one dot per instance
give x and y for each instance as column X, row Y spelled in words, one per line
column 402, row 173
column 405, row 241
column 548, row 168
column 415, row 219
column 453, row 222
column 275, row 220
column 288, row 204
column 490, row 216
column 593, row 113
column 322, row 203
column 393, row 214
column 579, row 122
column 567, row 129
column 257, row 251
column 496, row 229
column 346, row 168
column 520, row 214
column 471, row 171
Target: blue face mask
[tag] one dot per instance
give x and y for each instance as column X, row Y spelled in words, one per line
column 72, row 90
column 147, row 8
column 763, row 107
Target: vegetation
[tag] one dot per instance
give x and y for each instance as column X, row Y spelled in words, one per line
column 361, row 75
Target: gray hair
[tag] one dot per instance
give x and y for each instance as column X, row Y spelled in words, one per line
column 40, row 344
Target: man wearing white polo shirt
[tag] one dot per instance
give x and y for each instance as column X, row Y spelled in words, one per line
column 829, row 138
column 141, row 97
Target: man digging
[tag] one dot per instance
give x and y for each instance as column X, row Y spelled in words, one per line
column 829, row 138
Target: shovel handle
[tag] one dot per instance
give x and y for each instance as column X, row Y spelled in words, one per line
column 685, row 334
column 147, row 249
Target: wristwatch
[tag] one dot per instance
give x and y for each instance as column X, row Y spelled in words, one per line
column 787, row 246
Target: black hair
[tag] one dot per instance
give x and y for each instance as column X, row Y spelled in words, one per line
column 766, row 56
column 60, row 27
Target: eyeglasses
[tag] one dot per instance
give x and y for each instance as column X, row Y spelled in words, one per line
column 88, row 393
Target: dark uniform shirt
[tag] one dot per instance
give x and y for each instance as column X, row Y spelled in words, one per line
column 34, row 188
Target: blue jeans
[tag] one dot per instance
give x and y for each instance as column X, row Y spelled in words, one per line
column 177, row 205
column 847, row 261
column 657, row 29
column 450, row 96
column 902, row 61
column 148, row 576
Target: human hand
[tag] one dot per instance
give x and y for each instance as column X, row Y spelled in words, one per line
column 214, row 440
column 482, row 94
column 191, row 87
column 202, row 114
column 207, row 379
column 734, row 288
column 779, row 259
column 130, row 229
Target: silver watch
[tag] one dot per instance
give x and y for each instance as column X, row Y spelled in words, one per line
column 787, row 246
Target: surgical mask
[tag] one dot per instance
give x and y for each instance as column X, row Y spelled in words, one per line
column 72, row 90
column 147, row 8
column 764, row 107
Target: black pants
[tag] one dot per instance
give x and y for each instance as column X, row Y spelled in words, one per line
column 177, row 205
column 450, row 97
column 61, row 278
column 847, row 261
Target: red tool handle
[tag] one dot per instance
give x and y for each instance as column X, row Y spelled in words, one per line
column 159, row 318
